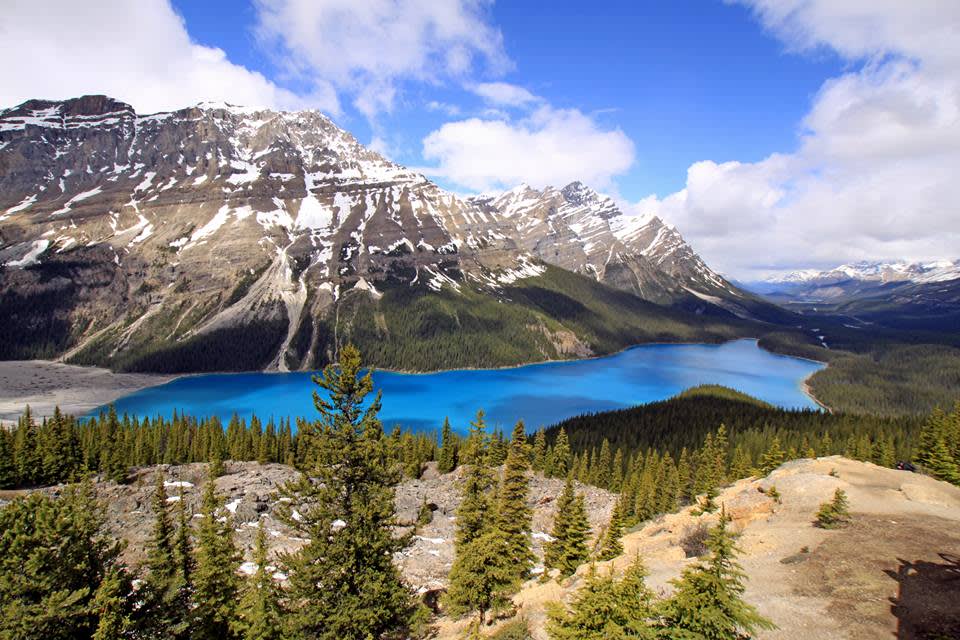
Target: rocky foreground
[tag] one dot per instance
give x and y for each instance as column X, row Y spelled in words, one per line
column 894, row 572
column 250, row 490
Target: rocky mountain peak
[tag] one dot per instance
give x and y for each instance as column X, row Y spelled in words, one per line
column 195, row 221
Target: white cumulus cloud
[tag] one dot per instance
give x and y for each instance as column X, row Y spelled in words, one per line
column 138, row 52
column 875, row 173
column 546, row 147
column 368, row 48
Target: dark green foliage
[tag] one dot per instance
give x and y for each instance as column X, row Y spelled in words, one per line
column 611, row 546
column 259, row 613
column 773, row 457
column 892, row 379
column 708, row 598
column 559, row 461
column 343, row 583
column 938, row 449
column 605, row 608
column 447, row 459
column 482, row 577
column 163, row 613
column 513, row 516
column 215, row 583
column 111, row 603
column 53, row 558
column 835, row 513
column 571, row 529
column 751, row 427
column 416, row 328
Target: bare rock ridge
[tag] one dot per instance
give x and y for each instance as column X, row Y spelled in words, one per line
column 121, row 233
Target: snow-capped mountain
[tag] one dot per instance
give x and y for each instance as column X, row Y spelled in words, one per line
column 125, row 235
column 883, row 272
column 586, row 232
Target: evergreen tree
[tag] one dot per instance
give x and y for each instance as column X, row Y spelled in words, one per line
column 8, row 469
column 513, row 516
column 343, row 583
column 611, row 545
column 482, row 577
column 259, row 614
column 477, row 446
column 111, row 604
column 559, row 464
column 835, row 513
column 474, row 512
column 708, row 598
column 447, row 460
column 215, row 579
column 616, row 473
column 601, row 477
column 163, row 614
column 181, row 546
column 606, row 609
column 53, row 557
column 684, row 476
column 571, row 529
column 539, row 454
column 741, row 464
column 773, row 457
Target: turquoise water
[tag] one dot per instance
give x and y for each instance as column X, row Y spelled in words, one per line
column 540, row 394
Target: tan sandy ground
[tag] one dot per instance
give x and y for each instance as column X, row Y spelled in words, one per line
column 894, row 572
column 44, row 385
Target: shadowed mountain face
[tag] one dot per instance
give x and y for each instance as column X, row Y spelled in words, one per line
column 239, row 236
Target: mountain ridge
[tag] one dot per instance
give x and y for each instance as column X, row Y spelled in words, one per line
column 126, row 236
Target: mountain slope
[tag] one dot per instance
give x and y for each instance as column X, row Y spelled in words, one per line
column 219, row 237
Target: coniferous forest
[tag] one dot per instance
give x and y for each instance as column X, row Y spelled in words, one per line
column 343, row 583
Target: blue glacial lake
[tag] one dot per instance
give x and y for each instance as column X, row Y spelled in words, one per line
column 540, row 394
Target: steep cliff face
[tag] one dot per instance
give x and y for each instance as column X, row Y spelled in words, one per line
column 223, row 237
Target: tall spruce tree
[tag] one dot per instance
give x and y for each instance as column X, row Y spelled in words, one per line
column 343, row 583
column 164, row 611
column 571, row 529
column 259, row 615
column 708, row 597
column 447, row 460
column 513, row 516
column 560, row 461
column 539, row 453
column 215, row 579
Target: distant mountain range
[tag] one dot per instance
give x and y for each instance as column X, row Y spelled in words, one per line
column 901, row 295
column 223, row 237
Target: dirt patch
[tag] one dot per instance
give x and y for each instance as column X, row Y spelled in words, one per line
column 888, row 578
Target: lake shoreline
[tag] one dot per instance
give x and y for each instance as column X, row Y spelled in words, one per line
column 77, row 389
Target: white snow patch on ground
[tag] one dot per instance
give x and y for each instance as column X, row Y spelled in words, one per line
column 540, row 535
column 77, row 198
column 313, row 214
column 232, row 505
column 32, row 256
column 211, row 227
column 26, row 202
column 248, row 568
column 177, row 484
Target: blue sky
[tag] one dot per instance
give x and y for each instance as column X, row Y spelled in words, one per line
column 774, row 134
column 685, row 80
